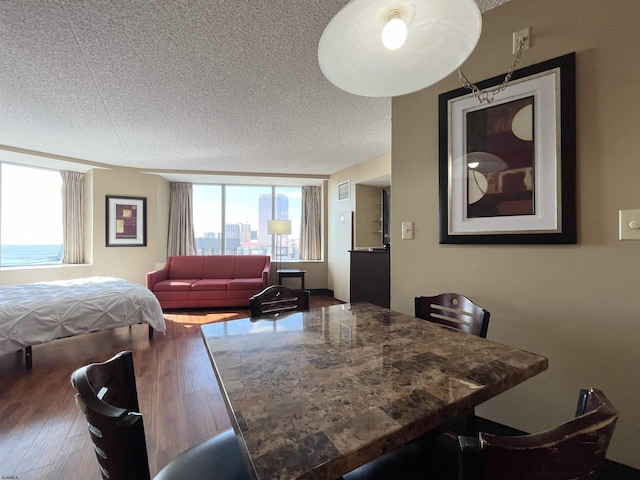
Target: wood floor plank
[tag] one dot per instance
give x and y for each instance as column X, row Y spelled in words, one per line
column 43, row 433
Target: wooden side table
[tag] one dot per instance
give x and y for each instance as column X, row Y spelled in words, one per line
column 291, row 273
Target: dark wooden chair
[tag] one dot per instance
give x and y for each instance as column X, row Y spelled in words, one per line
column 573, row 450
column 108, row 397
column 455, row 311
column 277, row 299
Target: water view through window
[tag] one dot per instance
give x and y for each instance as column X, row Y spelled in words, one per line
column 30, row 216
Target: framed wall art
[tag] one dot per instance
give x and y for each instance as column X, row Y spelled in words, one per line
column 507, row 167
column 126, row 221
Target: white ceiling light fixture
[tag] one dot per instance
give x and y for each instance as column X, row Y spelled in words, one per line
column 360, row 53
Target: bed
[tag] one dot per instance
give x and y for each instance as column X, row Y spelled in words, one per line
column 35, row 313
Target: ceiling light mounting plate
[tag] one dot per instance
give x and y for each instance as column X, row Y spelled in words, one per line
column 523, row 36
column 487, row 96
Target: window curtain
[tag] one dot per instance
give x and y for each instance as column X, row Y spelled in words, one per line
column 72, row 217
column 181, row 235
column 310, row 223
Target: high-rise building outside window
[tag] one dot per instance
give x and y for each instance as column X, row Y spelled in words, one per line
column 244, row 211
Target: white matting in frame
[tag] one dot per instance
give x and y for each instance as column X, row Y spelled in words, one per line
column 547, row 215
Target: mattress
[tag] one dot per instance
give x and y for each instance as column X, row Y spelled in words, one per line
column 34, row 313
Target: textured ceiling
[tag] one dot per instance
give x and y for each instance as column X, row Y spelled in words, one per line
column 221, row 86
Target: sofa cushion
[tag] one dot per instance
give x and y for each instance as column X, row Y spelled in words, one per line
column 249, row 266
column 218, row 266
column 185, row 266
column 210, row 284
column 182, row 284
column 245, row 284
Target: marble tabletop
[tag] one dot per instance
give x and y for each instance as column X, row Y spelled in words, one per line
column 316, row 394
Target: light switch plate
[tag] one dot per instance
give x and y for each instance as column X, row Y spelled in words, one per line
column 629, row 225
column 407, row 230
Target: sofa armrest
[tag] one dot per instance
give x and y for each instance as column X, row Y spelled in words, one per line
column 266, row 272
column 156, row 276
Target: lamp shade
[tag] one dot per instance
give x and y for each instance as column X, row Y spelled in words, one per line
column 441, row 34
column 278, row 227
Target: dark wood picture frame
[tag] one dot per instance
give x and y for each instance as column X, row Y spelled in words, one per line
column 126, row 221
column 527, row 190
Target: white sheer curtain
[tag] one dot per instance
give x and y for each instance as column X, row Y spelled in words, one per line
column 181, row 235
column 311, row 223
column 73, row 216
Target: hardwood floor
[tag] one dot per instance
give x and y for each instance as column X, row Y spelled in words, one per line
column 43, row 433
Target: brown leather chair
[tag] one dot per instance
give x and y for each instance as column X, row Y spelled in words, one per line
column 277, row 299
column 455, row 311
column 107, row 395
column 574, row 450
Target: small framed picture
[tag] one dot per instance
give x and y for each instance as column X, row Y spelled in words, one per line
column 126, row 224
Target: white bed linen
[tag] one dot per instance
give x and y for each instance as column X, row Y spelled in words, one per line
column 34, row 313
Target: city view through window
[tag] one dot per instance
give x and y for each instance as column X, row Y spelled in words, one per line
column 245, row 211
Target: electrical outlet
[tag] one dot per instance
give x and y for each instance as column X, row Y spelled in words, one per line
column 525, row 33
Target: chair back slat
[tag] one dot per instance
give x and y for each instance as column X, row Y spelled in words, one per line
column 277, row 299
column 455, row 311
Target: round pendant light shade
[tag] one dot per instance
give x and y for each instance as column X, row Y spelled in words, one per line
column 441, row 34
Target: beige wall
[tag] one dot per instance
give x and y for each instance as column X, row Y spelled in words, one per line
column 340, row 222
column 130, row 263
column 578, row 304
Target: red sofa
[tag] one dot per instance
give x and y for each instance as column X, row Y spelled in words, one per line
column 193, row 281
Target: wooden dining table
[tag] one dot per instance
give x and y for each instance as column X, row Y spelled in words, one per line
column 315, row 394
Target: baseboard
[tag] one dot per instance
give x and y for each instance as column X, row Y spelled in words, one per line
column 617, row 471
column 325, row 292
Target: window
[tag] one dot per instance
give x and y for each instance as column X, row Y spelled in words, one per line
column 30, row 216
column 247, row 209
column 288, row 206
column 207, row 219
column 244, row 212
